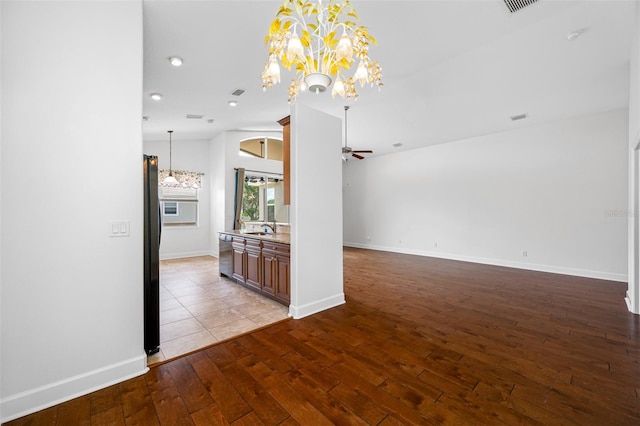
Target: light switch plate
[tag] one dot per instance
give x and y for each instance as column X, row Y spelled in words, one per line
column 119, row 228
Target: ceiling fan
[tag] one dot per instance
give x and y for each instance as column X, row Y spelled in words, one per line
column 347, row 151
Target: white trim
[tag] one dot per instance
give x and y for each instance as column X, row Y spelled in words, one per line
column 169, row 256
column 499, row 262
column 297, row 312
column 46, row 396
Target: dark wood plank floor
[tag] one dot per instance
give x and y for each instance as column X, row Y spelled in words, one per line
column 419, row 341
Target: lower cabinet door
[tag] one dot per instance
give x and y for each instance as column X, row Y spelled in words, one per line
column 239, row 263
column 253, row 268
column 270, row 272
column 282, row 286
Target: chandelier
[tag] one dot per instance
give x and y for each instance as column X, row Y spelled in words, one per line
column 321, row 41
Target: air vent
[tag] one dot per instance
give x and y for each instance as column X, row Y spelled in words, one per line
column 195, row 116
column 397, row 144
column 516, row 5
column 237, row 92
column 518, row 117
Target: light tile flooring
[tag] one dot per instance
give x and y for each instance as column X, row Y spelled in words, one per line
column 198, row 307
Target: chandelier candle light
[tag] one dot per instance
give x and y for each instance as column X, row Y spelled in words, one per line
column 321, row 40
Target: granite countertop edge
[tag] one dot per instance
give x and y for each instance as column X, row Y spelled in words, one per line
column 281, row 238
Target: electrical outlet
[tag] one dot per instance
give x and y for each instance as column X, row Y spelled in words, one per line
column 524, row 253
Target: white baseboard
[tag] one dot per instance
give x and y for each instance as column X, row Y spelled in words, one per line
column 169, row 256
column 298, row 312
column 633, row 309
column 500, row 262
column 46, row 396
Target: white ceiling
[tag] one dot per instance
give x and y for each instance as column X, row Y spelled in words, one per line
column 452, row 69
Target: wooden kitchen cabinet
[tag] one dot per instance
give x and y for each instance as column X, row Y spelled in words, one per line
column 276, row 270
column 286, row 158
column 269, row 272
column 253, row 276
column 239, row 259
column 283, row 292
column 262, row 266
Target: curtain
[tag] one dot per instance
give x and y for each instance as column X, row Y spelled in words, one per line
column 186, row 178
column 237, row 222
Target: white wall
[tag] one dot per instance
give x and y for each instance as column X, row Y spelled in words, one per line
column 555, row 191
column 1, row 136
column 71, row 163
column 316, row 212
column 633, row 291
column 186, row 240
column 217, row 181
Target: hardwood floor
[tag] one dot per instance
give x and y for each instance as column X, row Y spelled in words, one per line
column 419, row 341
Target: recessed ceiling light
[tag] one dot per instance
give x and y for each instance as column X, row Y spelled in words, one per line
column 156, row 96
column 175, row 61
column 233, row 103
column 575, row 34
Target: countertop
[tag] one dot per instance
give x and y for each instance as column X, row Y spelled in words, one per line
column 282, row 238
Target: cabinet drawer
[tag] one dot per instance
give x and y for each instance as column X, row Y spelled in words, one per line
column 277, row 248
column 237, row 240
column 253, row 244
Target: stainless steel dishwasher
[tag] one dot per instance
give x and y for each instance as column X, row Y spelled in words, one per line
column 225, row 255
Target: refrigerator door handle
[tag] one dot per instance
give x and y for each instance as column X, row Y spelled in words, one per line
column 159, row 223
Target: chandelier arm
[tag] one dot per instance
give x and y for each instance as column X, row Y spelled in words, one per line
column 322, row 31
column 303, row 24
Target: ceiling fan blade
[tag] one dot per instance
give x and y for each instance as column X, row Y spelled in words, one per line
column 368, row 151
column 359, row 157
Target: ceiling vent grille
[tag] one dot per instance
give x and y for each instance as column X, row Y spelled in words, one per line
column 518, row 117
column 237, row 92
column 516, row 5
column 195, row 116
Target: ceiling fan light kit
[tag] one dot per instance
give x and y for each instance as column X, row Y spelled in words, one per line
column 321, row 41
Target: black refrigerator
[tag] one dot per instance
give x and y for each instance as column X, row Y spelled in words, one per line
column 152, row 232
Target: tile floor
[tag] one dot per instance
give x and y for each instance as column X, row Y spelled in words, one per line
column 198, row 307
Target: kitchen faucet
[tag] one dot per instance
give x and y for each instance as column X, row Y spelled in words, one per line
column 273, row 227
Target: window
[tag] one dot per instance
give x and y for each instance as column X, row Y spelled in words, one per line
column 179, row 206
column 170, row 208
column 262, row 199
column 268, row 148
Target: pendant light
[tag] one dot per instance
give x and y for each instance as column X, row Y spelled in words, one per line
column 170, row 179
